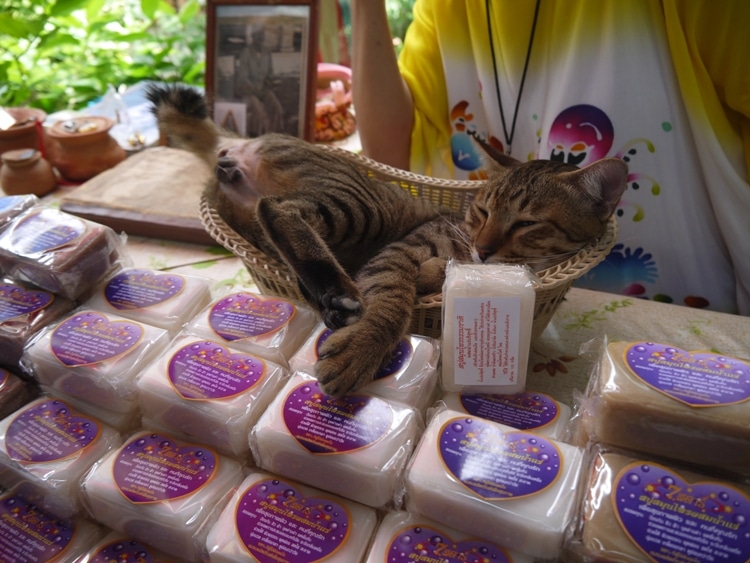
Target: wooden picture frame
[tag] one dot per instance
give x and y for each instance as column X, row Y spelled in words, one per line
column 261, row 63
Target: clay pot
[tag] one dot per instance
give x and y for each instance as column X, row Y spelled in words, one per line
column 25, row 133
column 24, row 171
column 80, row 148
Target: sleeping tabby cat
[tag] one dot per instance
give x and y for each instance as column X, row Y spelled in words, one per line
column 363, row 249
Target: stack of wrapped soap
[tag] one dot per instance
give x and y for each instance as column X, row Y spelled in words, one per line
column 669, row 450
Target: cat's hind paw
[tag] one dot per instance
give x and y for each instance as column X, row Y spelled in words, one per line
column 340, row 310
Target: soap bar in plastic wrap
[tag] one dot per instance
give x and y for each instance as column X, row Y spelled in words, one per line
column 59, row 252
column 690, row 406
column 356, row 446
column 161, row 491
column 204, row 390
column 410, row 377
column 262, row 325
column 272, row 519
column 95, row 357
column 49, row 445
column 507, row 486
column 162, row 299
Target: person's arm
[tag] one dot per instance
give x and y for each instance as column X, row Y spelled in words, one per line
column 382, row 101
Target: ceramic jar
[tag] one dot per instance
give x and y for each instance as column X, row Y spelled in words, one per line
column 25, row 171
column 80, row 148
column 24, row 134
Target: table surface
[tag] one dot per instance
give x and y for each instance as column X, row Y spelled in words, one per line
column 560, row 360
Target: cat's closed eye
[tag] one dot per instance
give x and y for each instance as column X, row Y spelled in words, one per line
column 522, row 224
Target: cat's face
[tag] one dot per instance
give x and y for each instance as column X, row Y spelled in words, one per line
column 542, row 212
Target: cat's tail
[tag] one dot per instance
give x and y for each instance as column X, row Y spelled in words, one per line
column 184, row 122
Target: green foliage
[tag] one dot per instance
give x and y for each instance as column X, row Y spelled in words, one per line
column 62, row 54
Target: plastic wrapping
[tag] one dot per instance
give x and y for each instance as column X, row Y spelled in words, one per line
column 262, row 325
column 271, row 519
column 488, row 313
column 356, row 446
column 14, row 392
column 207, row 391
column 529, row 410
column 95, row 357
column 507, row 486
column 636, row 509
column 162, row 299
column 161, row 491
column 28, row 534
column 117, row 547
column 124, row 422
column 410, row 377
column 59, row 252
column 12, row 206
column 24, row 310
column 402, row 536
column 50, row 445
column 658, row 399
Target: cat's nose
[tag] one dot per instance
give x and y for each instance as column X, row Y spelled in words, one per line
column 483, row 252
column 228, row 170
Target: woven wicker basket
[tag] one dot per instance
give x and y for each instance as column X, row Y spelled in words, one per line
column 274, row 278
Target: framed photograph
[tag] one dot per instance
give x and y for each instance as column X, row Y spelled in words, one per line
column 261, row 60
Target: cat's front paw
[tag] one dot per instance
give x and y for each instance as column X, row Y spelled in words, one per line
column 339, row 310
column 349, row 359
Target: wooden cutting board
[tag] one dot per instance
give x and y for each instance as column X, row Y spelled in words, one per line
column 153, row 193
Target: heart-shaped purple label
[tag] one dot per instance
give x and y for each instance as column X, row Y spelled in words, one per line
column 277, row 523
column 16, row 301
column 90, row 337
column 141, row 289
column 324, row 425
column 422, row 543
column 155, row 467
column 498, row 465
column 207, row 370
column 399, row 359
column 45, row 230
column 243, row 315
column 123, row 551
column 525, row 411
column 30, row 534
column 698, row 379
column 49, row 431
column 670, row 519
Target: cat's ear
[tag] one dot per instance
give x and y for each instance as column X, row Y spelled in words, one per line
column 495, row 156
column 604, row 181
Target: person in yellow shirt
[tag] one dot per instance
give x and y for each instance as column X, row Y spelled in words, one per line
column 662, row 84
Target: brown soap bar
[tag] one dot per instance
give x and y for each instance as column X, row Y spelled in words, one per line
column 658, row 399
column 58, row 252
column 14, row 393
column 636, row 509
column 24, row 310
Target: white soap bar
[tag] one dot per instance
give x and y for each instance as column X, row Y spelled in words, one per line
column 125, row 423
column 356, row 446
column 50, row 445
column 529, row 410
column 411, row 376
column 152, row 297
column 504, row 485
column 119, row 548
column 637, row 509
column 205, row 390
column 403, row 536
column 95, row 357
column 29, row 534
column 160, row 491
column 488, row 313
column 271, row 519
column 690, row 406
column 262, row 325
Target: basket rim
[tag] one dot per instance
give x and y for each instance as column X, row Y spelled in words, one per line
column 558, row 275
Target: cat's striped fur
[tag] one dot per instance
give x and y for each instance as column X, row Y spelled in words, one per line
column 363, row 249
